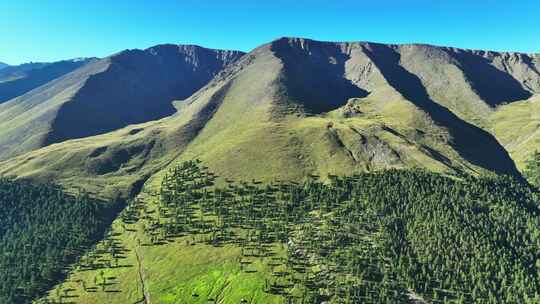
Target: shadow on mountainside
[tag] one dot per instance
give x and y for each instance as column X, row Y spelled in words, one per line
column 472, row 143
column 36, row 78
column 138, row 86
column 111, row 100
column 491, row 84
column 314, row 74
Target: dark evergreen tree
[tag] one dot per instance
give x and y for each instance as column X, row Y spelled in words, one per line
column 42, row 231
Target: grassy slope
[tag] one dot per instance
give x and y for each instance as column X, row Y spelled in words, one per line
column 172, row 273
column 26, row 120
column 252, row 121
column 516, row 126
column 117, row 162
column 445, row 81
column 130, row 87
column 248, row 137
column 107, row 164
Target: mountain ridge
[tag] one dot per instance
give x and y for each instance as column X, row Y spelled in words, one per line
column 19, row 80
column 396, row 107
column 418, row 44
column 125, row 88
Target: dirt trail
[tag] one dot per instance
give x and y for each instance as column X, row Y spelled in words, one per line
column 145, row 293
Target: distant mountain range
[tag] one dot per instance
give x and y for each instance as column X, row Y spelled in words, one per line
column 3, row 65
column 302, row 106
column 17, row 80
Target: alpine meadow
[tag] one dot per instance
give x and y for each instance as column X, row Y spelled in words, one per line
column 299, row 171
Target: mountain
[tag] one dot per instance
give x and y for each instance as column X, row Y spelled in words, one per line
column 295, row 107
column 17, row 80
column 294, row 117
column 14, row 72
column 130, row 87
column 3, row 65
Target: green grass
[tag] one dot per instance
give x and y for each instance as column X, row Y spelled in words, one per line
column 198, row 273
column 173, row 272
column 516, row 126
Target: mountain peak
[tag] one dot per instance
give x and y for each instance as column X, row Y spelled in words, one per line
column 188, row 47
column 304, row 42
column 170, row 48
column 180, row 53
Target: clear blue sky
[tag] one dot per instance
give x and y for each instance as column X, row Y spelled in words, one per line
column 36, row 30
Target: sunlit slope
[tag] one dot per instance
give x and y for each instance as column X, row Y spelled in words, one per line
column 269, row 129
column 119, row 162
column 472, row 83
column 287, row 109
column 179, row 271
column 517, row 126
column 25, row 121
column 130, row 87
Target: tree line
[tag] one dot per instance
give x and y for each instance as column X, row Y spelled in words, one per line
column 42, row 231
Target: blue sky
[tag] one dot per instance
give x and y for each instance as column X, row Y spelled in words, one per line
column 36, row 30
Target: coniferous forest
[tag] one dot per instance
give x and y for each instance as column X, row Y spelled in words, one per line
column 42, row 231
column 383, row 237
column 391, row 236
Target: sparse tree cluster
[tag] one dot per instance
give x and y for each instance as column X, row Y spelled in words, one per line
column 370, row 238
